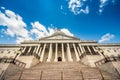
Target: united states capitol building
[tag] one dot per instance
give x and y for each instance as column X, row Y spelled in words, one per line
column 60, row 57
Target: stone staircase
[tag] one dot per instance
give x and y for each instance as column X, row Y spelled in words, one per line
column 62, row 71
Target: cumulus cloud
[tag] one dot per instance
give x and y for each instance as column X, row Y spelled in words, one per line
column 82, row 6
column 78, row 6
column 106, row 37
column 61, row 7
column 104, row 3
column 15, row 26
column 66, row 31
column 38, row 30
column 2, row 7
column 41, row 31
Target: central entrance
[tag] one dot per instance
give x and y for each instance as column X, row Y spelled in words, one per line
column 59, row 59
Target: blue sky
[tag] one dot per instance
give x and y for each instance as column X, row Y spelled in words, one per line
column 86, row 19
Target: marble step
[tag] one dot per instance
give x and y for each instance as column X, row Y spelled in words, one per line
column 62, row 71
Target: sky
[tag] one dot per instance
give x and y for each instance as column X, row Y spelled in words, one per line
column 33, row 19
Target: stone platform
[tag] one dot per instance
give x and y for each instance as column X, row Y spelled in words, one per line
column 62, row 71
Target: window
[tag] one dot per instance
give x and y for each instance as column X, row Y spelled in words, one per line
column 9, row 52
column 108, row 50
column 2, row 51
column 115, row 50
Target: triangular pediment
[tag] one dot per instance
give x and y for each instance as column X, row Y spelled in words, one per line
column 59, row 35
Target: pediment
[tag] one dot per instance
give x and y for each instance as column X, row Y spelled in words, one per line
column 59, row 36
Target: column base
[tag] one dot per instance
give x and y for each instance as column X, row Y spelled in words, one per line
column 63, row 60
column 41, row 60
column 71, row 60
column 78, row 60
column 48, row 60
column 55, row 60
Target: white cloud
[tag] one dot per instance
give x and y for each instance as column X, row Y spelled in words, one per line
column 106, row 37
column 86, row 10
column 82, row 6
column 104, row 3
column 16, row 27
column 40, row 31
column 76, row 6
column 66, row 31
column 1, row 36
column 2, row 7
column 61, row 7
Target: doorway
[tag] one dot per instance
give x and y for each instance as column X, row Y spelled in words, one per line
column 59, row 59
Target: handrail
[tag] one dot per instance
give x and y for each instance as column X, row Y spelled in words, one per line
column 37, row 56
column 41, row 75
column 10, row 60
column 1, row 75
column 107, row 59
column 85, row 54
column 61, row 75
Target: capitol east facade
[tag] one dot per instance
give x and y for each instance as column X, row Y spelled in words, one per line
column 63, row 49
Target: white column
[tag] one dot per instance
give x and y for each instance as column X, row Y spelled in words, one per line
column 40, row 51
column 69, row 53
column 63, row 54
column 56, row 50
column 79, row 51
column 24, row 49
column 38, row 48
column 43, row 52
column 89, row 50
column 50, row 53
column 94, row 48
column 29, row 49
column 76, row 53
column 34, row 49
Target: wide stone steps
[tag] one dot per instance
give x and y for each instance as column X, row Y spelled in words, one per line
column 62, row 71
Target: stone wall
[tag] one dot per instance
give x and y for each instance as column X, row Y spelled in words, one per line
column 111, row 67
column 29, row 60
column 90, row 60
column 9, row 69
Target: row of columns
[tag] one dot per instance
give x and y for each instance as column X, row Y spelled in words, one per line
column 79, row 50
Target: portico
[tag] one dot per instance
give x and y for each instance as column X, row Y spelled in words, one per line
column 58, row 47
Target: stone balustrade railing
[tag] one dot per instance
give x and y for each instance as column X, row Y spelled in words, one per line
column 107, row 59
column 85, row 54
column 14, row 61
column 37, row 56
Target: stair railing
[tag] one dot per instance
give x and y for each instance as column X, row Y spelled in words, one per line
column 107, row 59
column 10, row 60
column 41, row 75
column 61, row 75
column 2, row 74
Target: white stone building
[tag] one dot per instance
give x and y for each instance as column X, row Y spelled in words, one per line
column 60, row 47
